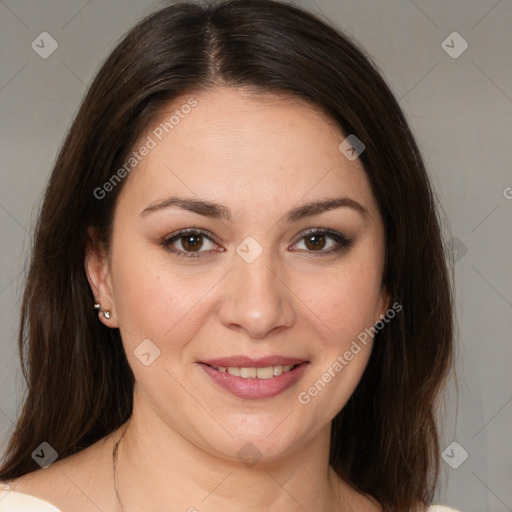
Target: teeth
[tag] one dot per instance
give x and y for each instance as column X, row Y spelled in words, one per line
column 248, row 373
column 265, row 373
column 256, row 373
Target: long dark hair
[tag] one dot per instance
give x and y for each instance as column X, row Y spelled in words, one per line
column 385, row 440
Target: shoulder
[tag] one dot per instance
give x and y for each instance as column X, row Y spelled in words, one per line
column 438, row 508
column 11, row 501
column 67, row 482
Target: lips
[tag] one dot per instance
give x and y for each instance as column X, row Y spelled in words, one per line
column 249, row 378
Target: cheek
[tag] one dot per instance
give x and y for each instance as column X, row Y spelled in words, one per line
column 157, row 300
column 341, row 347
column 347, row 301
column 343, row 310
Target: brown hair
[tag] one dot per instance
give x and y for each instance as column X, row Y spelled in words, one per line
column 385, row 440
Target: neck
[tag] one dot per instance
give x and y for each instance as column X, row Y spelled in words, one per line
column 157, row 467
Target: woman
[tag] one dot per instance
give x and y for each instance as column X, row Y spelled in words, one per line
column 238, row 297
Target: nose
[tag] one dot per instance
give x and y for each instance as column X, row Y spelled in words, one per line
column 258, row 300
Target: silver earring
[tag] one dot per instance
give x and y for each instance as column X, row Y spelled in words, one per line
column 106, row 314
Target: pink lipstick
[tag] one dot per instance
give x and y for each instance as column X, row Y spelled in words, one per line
column 253, row 379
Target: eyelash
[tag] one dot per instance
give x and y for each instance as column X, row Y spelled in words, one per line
column 341, row 240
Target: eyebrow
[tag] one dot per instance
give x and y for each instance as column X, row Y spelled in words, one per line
column 217, row 211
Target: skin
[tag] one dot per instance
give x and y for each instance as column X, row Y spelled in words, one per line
column 260, row 156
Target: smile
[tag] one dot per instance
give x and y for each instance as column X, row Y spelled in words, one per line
column 249, row 379
column 267, row 372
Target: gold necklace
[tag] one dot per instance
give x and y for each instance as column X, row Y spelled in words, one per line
column 114, row 468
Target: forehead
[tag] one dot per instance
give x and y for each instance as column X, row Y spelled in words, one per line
column 236, row 147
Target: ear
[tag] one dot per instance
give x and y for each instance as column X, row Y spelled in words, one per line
column 383, row 304
column 97, row 269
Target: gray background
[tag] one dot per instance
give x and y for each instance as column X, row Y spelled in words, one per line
column 460, row 110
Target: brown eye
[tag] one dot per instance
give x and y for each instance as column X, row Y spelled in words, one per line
column 192, row 242
column 315, row 242
column 323, row 242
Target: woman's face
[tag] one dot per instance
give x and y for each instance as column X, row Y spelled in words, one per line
column 254, row 284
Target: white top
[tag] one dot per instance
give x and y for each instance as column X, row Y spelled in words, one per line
column 11, row 501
